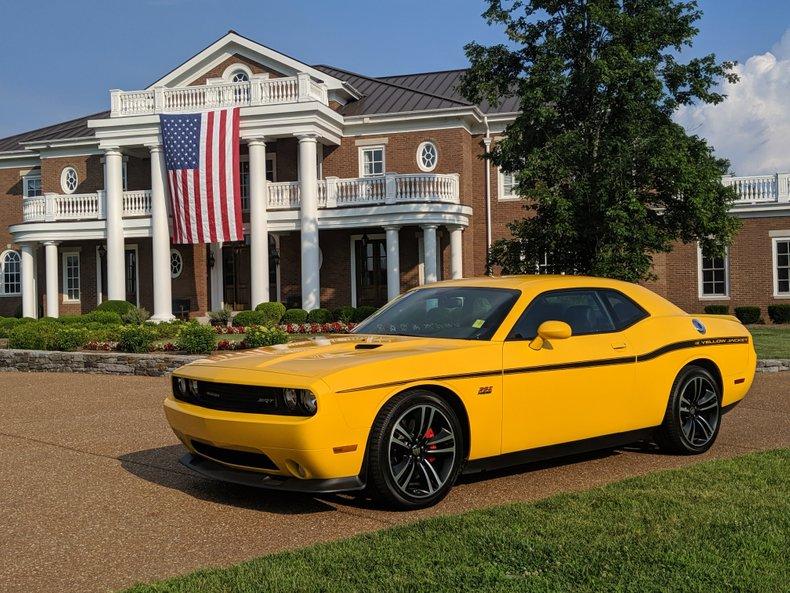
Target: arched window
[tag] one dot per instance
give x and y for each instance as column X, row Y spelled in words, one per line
column 427, row 156
column 10, row 273
column 239, row 76
column 68, row 180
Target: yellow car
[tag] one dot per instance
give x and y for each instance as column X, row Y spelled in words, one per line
column 461, row 376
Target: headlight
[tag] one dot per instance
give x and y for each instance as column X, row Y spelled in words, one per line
column 181, row 386
column 193, row 388
column 291, row 398
column 307, row 400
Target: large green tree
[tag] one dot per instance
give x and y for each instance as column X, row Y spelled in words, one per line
column 608, row 175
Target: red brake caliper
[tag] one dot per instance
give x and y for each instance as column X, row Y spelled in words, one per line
column 429, row 435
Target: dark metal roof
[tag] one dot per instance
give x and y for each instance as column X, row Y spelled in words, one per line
column 445, row 83
column 74, row 128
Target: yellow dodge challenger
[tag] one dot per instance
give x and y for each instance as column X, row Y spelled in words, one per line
column 461, row 376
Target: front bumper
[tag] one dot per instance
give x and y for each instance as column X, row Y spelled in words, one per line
column 225, row 473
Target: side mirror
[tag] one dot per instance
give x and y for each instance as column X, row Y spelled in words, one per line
column 550, row 330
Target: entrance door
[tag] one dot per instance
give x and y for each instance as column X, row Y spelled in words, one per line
column 236, row 275
column 371, row 272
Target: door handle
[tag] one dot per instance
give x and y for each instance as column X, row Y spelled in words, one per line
column 618, row 345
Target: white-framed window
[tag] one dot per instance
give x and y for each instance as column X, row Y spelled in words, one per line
column 69, row 180
column 31, row 185
column 507, row 186
column 781, row 261
column 176, row 263
column 71, row 277
column 544, row 265
column 10, row 273
column 239, row 76
column 371, row 161
column 713, row 276
column 125, row 174
column 427, row 156
column 244, row 177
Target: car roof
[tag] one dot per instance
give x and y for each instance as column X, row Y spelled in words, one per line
column 654, row 303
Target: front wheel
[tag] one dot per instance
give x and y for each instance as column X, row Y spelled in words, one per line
column 693, row 415
column 415, row 451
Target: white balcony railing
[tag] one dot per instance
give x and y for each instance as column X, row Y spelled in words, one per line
column 333, row 192
column 760, row 189
column 258, row 91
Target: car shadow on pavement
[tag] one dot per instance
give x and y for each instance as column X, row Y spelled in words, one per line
column 160, row 466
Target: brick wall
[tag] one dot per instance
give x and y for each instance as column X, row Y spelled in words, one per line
column 90, row 173
column 220, row 68
column 10, row 214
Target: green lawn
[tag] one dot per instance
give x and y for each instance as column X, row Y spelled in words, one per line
column 771, row 341
column 716, row 526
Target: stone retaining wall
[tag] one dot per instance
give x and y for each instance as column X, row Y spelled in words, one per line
column 157, row 364
column 773, row 365
column 109, row 363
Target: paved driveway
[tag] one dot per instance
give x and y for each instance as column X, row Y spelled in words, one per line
column 92, row 497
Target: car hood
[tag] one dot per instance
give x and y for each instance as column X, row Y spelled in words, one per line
column 369, row 358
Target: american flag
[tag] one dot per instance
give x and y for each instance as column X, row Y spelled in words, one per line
column 202, row 162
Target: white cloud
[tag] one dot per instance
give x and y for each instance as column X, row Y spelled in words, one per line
column 752, row 126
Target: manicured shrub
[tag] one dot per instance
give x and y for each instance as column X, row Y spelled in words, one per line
column 221, row 316
column 103, row 332
column 717, row 310
column 319, row 316
column 167, row 330
column 7, row 324
column 779, row 313
column 135, row 316
column 71, row 319
column 248, row 318
column 136, row 338
column 70, row 337
column 257, row 337
column 294, row 316
column 363, row 313
column 344, row 314
column 32, row 336
column 273, row 312
column 108, row 317
column 748, row 315
column 119, row 307
column 196, row 339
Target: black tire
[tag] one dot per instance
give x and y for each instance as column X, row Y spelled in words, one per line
column 693, row 417
column 409, row 466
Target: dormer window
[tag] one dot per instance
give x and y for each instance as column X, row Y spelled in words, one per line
column 239, row 76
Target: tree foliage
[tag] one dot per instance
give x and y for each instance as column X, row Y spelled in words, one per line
column 609, row 178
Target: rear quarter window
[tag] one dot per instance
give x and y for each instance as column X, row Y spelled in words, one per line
column 625, row 312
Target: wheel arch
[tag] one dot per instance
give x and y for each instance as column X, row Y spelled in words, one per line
column 711, row 367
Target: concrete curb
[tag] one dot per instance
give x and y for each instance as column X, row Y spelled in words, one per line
column 155, row 364
column 773, row 365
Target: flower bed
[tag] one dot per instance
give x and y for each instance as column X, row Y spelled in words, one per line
column 333, row 327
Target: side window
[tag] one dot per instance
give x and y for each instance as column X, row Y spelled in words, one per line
column 582, row 309
column 625, row 311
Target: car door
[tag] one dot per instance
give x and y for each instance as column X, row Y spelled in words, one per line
column 570, row 389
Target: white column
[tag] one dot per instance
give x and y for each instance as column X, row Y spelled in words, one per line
column 29, row 297
column 113, row 188
column 456, row 252
column 51, row 273
column 393, row 262
column 429, row 252
column 259, row 229
column 308, row 185
column 160, row 237
column 217, row 278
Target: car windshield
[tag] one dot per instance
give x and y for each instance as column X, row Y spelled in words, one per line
column 463, row 312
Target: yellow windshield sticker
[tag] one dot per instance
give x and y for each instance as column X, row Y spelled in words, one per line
column 478, row 323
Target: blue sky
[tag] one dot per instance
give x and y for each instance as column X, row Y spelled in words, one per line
column 61, row 58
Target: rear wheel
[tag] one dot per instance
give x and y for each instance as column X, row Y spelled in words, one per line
column 693, row 415
column 416, row 450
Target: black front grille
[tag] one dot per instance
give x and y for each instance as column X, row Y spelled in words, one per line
column 235, row 398
column 245, row 458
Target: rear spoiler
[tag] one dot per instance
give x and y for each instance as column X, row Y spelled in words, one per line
column 711, row 316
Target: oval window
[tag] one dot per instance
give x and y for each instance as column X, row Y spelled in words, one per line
column 176, row 263
column 68, row 180
column 239, row 76
column 427, row 156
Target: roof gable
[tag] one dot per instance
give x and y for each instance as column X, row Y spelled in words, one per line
column 206, row 61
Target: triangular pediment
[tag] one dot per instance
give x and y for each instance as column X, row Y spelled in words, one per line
column 231, row 49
